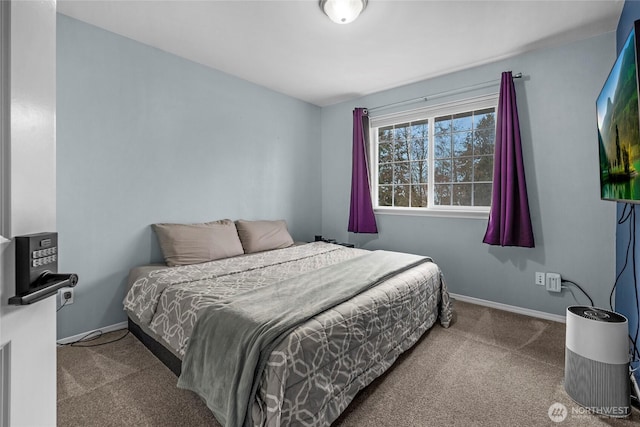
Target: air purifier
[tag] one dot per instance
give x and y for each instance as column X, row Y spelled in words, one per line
column 596, row 372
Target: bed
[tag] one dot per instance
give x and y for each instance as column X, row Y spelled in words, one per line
column 310, row 369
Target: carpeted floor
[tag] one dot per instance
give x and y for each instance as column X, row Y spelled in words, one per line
column 490, row 368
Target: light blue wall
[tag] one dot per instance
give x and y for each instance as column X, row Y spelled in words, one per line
column 144, row 136
column 574, row 232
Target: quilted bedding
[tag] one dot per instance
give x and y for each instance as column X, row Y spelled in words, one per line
column 315, row 372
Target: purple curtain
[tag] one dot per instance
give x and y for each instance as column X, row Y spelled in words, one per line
column 361, row 217
column 509, row 220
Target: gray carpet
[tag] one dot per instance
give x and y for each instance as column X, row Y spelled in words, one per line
column 490, row 368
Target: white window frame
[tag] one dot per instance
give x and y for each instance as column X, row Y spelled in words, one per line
column 429, row 112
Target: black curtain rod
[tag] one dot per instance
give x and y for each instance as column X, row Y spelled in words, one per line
column 443, row 94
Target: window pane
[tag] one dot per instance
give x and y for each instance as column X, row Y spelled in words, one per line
column 419, row 196
column 420, row 129
column 442, row 194
column 484, row 141
column 462, row 170
column 442, row 171
column 385, row 134
column 442, row 146
column 401, row 195
column 384, row 153
column 419, row 149
column 482, row 195
column 483, row 168
column 385, row 173
column 401, row 150
column 401, row 173
column 462, row 144
column 401, row 132
column 463, row 121
column 484, row 119
column 461, row 195
column 385, row 195
column 419, row 172
column 443, row 125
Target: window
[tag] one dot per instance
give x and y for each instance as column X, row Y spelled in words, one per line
column 437, row 159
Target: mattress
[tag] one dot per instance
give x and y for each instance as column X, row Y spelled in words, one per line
column 317, row 369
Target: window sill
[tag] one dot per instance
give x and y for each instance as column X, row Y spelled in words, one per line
column 446, row 213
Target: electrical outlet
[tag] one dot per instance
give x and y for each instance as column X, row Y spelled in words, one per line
column 66, row 296
column 554, row 282
column 539, row 278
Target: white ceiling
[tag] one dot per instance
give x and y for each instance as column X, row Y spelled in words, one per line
column 293, row 48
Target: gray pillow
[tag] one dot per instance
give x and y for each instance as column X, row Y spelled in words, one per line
column 184, row 244
column 258, row 236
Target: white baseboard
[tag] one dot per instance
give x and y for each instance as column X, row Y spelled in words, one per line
column 511, row 308
column 111, row 328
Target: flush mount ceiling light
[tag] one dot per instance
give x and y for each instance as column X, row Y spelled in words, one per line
column 343, row 11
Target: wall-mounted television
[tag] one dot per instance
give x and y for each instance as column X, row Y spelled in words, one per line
column 619, row 126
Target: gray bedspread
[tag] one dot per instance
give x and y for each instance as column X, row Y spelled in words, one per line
column 232, row 340
column 316, row 370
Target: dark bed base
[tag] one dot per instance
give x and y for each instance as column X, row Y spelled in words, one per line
column 169, row 359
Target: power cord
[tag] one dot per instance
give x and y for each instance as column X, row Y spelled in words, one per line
column 572, row 294
column 66, row 296
column 624, row 217
column 579, row 287
column 63, row 304
column 628, row 214
column 92, row 336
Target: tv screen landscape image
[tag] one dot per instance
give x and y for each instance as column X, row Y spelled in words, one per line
column 619, row 127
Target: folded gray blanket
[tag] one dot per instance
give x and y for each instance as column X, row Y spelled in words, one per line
column 232, row 340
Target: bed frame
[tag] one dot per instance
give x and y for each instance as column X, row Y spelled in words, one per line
column 166, row 357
